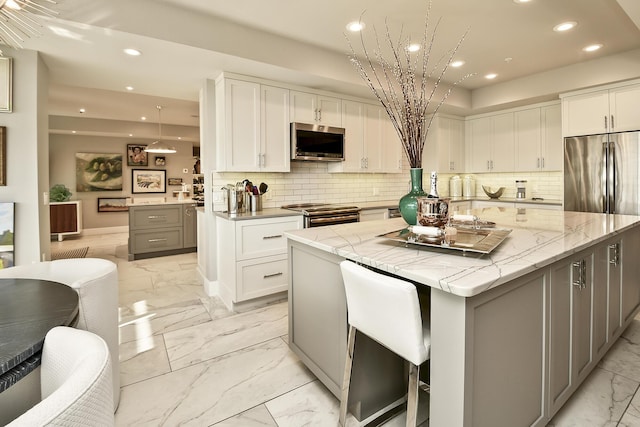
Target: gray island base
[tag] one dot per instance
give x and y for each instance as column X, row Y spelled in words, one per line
column 513, row 332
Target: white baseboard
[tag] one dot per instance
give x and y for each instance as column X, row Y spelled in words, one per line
column 106, row 230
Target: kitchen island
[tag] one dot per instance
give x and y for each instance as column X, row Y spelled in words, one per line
column 513, row 332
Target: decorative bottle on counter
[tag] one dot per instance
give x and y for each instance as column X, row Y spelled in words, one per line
column 433, row 191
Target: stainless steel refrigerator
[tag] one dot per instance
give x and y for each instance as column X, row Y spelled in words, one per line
column 601, row 173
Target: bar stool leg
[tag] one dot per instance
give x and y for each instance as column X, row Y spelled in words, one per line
column 412, row 395
column 346, row 379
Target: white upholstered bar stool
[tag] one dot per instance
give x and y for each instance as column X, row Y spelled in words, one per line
column 96, row 282
column 75, row 382
column 387, row 310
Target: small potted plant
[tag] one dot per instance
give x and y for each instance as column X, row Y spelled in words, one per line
column 59, row 193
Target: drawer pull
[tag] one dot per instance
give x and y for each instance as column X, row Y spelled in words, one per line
column 266, row 276
column 156, row 240
column 156, row 216
column 275, row 236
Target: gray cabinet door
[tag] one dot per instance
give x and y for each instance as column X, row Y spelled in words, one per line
column 630, row 275
column 570, row 328
column 190, row 226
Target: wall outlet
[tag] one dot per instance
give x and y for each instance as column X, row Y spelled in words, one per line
column 376, row 191
column 45, row 198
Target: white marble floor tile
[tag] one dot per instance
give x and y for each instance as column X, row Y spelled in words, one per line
column 208, row 392
column 309, row 405
column 143, row 359
column 206, row 341
column 624, row 356
column 216, row 308
column 600, row 401
column 150, row 320
column 254, row 417
column 631, row 417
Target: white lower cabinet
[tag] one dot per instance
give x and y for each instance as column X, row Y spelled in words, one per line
column 252, row 257
column 373, row 214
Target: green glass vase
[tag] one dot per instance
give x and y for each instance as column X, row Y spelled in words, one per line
column 409, row 202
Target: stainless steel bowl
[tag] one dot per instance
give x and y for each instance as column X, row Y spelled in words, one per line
column 493, row 194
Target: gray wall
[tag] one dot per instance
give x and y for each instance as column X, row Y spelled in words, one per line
column 62, row 167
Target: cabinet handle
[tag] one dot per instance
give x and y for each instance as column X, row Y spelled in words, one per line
column 491, row 164
column 266, row 276
column 543, row 163
column 156, row 216
column 366, row 163
column 612, row 125
column 275, row 236
column 156, row 240
column 538, row 163
column 605, row 123
column 488, row 167
column 614, row 254
column 581, row 268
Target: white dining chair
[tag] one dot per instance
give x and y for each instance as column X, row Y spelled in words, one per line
column 96, row 282
column 387, row 310
column 75, row 382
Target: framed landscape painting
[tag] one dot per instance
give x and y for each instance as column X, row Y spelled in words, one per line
column 175, row 181
column 112, row 204
column 6, row 235
column 148, row 181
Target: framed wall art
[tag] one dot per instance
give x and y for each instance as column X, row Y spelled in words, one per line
column 7, row 223
column 175, row 181
column 160, row 161
column 136, row 156
column 3, row 155
column 148, row 181
column 98, row 172
column 112, row 204
column 6, row 84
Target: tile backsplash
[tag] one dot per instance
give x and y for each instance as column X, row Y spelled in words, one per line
column 311, row 182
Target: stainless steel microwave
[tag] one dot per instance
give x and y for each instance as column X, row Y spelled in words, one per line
column 317, row 142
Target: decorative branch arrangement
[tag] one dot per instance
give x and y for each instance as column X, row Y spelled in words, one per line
column 406, row 84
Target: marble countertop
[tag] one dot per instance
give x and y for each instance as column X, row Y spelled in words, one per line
column 264, row 213
column 538, row 238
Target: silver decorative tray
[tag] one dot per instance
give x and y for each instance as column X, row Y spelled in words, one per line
column 482, row 240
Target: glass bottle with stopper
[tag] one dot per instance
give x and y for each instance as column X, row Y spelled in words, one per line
column 433, row 192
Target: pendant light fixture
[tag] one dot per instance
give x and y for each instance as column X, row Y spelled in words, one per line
column 20, row 19
column 160, row 146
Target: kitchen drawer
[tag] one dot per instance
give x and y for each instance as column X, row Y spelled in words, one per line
column 154, row 217
column 261, row 277
column 155, row 240
column 258, row 238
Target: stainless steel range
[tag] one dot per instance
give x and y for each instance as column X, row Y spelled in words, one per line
column 319, row 214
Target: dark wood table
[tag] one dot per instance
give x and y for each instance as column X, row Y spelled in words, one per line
column 29, row 308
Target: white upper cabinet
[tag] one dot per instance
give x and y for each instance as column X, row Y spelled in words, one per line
column 444, row 148
column 602, row 111
column 490, row 143
column 538, row 139
column 252, row 127
column 552, row 152
column 312, row 108
column 371, row 144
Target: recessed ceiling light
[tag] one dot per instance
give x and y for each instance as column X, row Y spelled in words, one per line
column 491, row 76
column 129, row 88
column 73, row 131
column 130, row 134
column 355, row 26
column 458, row 63
column 143, row 118
column 413, row 47
column 521, row 1
column 592, row 48
column 565, row 26
column 132, row 52
column 82, row 110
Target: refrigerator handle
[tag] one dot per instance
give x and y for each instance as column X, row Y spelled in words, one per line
column 611, row 179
